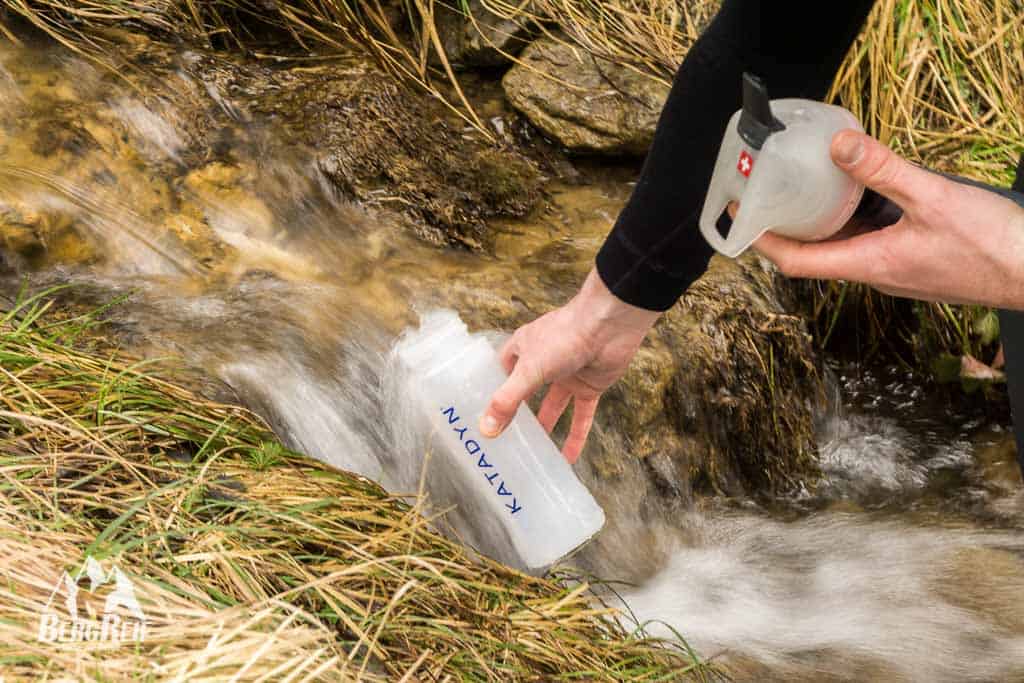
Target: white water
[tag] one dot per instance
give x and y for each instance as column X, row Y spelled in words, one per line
column 880, row 594
column 834, row 591
column 828, row 592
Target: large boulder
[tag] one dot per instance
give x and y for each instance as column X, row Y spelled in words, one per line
column 587, row 105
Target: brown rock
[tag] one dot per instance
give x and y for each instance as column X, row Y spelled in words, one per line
column 587, row 105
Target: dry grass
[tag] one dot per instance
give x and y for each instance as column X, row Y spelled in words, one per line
column 651, row 36
column 252, row 562
column 942, row 83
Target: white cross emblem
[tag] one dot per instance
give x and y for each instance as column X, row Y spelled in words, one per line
column 745, row 164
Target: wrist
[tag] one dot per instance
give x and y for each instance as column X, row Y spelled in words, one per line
column 600, row 310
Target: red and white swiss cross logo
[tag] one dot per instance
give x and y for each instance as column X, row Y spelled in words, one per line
column 745, row 164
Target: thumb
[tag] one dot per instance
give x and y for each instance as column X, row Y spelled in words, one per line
column 520, row 385
column 873, row 164
column 845, row 259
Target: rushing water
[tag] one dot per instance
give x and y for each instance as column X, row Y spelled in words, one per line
column 905, row 565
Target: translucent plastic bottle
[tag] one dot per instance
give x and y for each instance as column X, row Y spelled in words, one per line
column 520, row 481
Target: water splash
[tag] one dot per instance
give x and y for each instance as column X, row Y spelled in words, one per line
column 872, row 458
column 153, row 130
column 812, row 597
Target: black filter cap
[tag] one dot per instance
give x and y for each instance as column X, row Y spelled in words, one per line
column 757, row 121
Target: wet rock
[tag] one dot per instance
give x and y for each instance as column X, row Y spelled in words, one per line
column 587, row 105
column 725, row 388
column 41, row 238
column 386, row 145
column 18, row 236
column 474, row 36
column 376, row 141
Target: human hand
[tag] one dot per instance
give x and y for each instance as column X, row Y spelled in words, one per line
column 955, row 243
column 580, row 349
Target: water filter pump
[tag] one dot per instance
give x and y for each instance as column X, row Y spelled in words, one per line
column 775, row 161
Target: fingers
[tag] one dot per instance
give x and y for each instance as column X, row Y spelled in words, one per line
column 582, row 419
column 848, row 259
column 508, row 354
column 520, row 385
column 553, row 406
column 876, row 166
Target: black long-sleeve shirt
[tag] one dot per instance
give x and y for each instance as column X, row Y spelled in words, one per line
column 655, row 251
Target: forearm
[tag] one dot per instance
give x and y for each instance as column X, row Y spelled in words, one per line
column 655, row 251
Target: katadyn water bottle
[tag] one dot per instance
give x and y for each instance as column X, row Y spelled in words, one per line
column 529, row 495
column 775, row 161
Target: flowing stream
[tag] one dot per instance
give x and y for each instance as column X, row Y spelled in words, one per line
column 905, row 565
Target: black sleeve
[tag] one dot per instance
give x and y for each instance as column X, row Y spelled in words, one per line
column 655, row 251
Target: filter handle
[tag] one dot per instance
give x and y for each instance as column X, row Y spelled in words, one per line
column 714, row 237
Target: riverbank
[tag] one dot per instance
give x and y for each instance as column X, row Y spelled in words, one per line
column 249, row 559
column 940, row 82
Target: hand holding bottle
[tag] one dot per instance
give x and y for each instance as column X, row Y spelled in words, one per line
column 580, row 349
column 955, row 243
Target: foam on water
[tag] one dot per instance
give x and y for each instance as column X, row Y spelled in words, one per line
column 875, row 457
column 310, row 415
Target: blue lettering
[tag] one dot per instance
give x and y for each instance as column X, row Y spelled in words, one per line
column 473, row 447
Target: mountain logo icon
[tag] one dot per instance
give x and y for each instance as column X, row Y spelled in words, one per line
column 71, row 614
